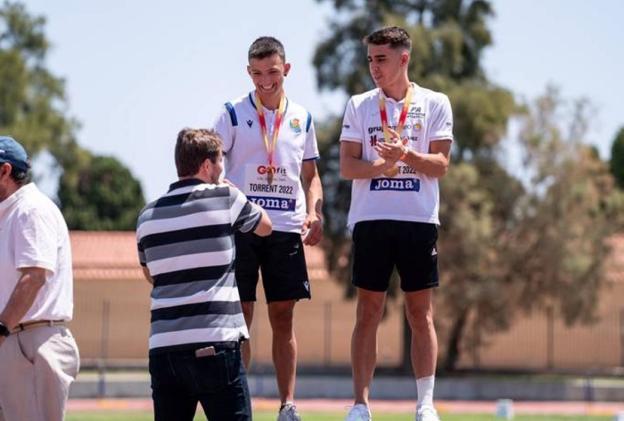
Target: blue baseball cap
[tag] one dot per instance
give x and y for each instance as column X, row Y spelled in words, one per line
column 13, row 153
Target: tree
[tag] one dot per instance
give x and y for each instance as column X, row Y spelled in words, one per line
column 478, row 201
column 102, row 195
column 488, row 214
column 33, row 109
column 567, row 216
column 617, row 158
column 32, row 100
column 448, row 40
column 551, row 246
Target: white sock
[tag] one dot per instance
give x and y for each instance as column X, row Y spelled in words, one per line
column 424, row 385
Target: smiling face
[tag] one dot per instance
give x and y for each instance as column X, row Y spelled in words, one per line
column 268, row 75
column 387, row 65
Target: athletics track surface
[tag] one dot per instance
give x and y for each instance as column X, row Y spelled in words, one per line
column 444, row 407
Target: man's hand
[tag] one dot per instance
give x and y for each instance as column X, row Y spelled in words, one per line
column 391, row 151
column 312, row 230
column 228, row 182
column 383, row 164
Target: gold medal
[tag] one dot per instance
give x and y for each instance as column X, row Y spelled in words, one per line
column 407, row 101
column 270, row 146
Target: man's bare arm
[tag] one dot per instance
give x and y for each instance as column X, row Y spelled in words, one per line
column 23, row 296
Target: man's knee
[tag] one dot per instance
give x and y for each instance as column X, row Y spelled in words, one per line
column 369, row 312
column 420, row 317
column 281, row 315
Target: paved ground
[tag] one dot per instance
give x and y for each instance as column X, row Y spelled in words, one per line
column 448, row 407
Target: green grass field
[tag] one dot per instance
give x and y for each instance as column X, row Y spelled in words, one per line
column 327, row 416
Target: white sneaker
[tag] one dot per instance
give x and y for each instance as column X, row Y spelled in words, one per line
column 288, row 412
column 359, row 412
column 427, row 413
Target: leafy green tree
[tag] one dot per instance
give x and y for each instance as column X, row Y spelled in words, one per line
column 448, row 40
column 492, row 222
column 568, row 216
column 33, row 109
column 617, row 158
column 478, row 202
column 102, row 195
column 32, row 100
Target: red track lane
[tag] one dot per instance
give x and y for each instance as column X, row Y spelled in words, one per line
column 444, row 407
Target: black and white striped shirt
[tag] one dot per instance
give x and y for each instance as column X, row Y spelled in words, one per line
column 186, row 240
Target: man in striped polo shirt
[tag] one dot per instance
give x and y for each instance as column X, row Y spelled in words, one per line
column 186, row 247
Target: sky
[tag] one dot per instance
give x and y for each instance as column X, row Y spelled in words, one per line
column 138, row 71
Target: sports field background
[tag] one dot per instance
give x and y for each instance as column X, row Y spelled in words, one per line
column 111, row 320
column 329, row 416
column 383, row 410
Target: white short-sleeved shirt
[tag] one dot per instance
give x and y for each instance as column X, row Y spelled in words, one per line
column 33, row 233
column 409, row 195
column 246, row 158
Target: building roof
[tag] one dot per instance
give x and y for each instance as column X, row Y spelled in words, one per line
column 102, row 255
column 105, row 255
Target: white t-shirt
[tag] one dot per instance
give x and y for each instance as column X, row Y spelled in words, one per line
column 246, row 158
column 33, row 233
column 409, row 195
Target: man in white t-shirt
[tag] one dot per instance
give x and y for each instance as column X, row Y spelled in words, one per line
column 38, row 353
column 395, row 144
column 270, row 154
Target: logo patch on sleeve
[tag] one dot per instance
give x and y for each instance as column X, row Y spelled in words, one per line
column 295, row 125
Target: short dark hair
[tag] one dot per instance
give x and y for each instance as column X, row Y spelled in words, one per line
column 393, row 35
column 265, row 47
column 193, row 147
column 19, row 176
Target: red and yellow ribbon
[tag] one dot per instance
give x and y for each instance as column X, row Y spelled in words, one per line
column 407, row 101
column 270, row 147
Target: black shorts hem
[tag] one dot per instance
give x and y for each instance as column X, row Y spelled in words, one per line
column 281, row 260
column 382, row 246
column 368, row 287
column 422, row 287
column 278, row 299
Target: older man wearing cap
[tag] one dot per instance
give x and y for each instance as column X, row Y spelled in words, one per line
column 38, row 355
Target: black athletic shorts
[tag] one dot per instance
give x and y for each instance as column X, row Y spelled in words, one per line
column 380, row 246
column 281, row 259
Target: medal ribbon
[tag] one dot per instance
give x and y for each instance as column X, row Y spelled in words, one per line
column 407, row 101
column 270, row 147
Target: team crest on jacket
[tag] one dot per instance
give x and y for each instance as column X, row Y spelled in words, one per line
column 295, row 125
